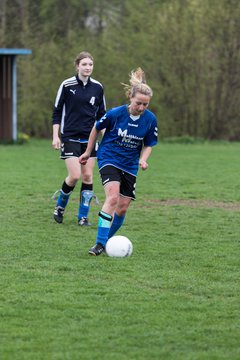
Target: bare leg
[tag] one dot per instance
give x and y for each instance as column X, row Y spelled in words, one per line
column 74, row 171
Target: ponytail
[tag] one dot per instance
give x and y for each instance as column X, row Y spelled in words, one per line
column 138, row 84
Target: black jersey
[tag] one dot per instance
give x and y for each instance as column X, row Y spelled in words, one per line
column 77, row 107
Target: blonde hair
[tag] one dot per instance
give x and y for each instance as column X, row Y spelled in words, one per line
column 138, row 84
column 82, row 55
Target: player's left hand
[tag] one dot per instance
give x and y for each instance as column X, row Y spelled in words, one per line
column 143, row 164
column 83, row 159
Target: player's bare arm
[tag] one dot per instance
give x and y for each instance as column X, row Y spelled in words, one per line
column 146, row 152
column 56, row 143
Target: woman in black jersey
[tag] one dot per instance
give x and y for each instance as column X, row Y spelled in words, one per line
column 79, row 103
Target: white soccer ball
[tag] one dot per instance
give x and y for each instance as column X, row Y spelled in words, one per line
column 119, row 246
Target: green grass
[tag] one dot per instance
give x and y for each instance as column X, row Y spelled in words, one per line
column 177, row 296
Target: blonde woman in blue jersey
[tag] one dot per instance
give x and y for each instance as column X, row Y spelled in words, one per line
column 79, row 102
column 130, row 133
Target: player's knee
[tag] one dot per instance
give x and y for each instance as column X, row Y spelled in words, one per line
column 122, row 208
column 74, row 178
column 87, row 178
column 122, row 212
column 113, row 200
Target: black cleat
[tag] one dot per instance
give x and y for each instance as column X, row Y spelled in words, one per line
column 84, row 222
column 96, row 250
column 58, row 214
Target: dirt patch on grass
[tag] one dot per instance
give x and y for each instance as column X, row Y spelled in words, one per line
column 197, row 203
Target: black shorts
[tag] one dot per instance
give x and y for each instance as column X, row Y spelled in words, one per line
column 75, row 149
column 127, row 181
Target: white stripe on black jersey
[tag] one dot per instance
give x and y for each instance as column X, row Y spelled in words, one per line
column 77, row 107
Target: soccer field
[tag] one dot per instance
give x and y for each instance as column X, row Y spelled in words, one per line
column 176, row 298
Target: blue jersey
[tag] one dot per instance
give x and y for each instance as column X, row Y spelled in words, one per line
column 124, row 137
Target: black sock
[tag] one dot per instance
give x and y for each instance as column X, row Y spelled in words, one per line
column 86, row 187
column 66, row 188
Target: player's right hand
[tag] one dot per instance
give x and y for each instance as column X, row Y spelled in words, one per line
column 56, row 143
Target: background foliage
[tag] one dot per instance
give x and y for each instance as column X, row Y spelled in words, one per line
column 189, row 49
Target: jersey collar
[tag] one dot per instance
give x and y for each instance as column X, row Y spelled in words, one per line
column 133, row 117
column 80, row 81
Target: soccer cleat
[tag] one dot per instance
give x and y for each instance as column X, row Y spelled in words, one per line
column 96, row 250
column 84, row 222
column 58, row 214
